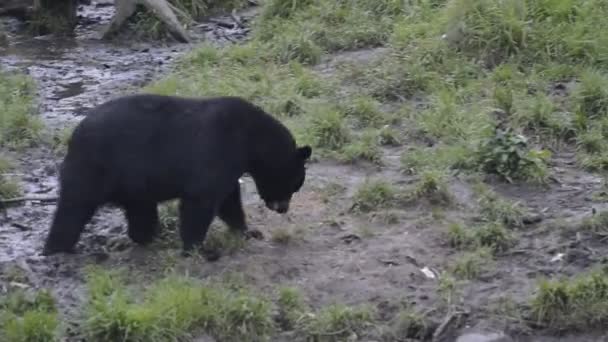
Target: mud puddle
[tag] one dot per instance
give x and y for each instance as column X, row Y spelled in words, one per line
column 72, row 75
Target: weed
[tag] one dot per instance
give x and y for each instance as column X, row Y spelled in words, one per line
column 459, row 237
column 18, row 127
column 507, row 154
column 8, row 187
column 291, row 307
column 495, row 236
column 223, row 240
column 373, row 195
column 591, row 95
column 493, row 208
column 580, row 303
column 62, row 138
column 471, row 265
column 364, row 148
column 366, row 111
column 34, row 319
column 539, row 114
column 433, row 186
column 337, row 322
column 170, row 309
column 440, row 157
column 281, row 235
column 596, row 224
column 410, row 325
column 327, row 129
column 331, row 190
column 388, row 136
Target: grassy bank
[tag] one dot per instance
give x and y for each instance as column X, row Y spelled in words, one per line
column 462, row 87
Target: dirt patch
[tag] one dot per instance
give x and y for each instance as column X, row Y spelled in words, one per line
column 333, row 254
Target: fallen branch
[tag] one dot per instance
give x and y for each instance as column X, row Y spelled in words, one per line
column 160, row 8
column 18, row 200
column 451, row 319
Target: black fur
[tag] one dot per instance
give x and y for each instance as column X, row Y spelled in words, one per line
column 139, row 150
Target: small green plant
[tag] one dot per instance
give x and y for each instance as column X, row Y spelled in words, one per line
column 596, row 224
column 33, row 319
column 471, row 265
column 580, row 303
column 373, row 195
column 591, row 96
column 493, row 208
column 337, row 322
column 507, row 154
column 459, row 237
column 495, row 236
column 364, row 148
column 170, row 309
column 327, row 129
column 8, row 188
column 410, row 325
column 433, row 186
column 439, row 157
column 18, row 126
column 366, row 111
column 281, row 235
column 291, row 307
column 62, row 138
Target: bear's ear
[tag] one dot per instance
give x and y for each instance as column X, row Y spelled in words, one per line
column 304, row 152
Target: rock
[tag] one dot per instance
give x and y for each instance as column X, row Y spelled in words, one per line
column 484, row 337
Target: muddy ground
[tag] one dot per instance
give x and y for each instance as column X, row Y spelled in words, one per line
column 337, row 256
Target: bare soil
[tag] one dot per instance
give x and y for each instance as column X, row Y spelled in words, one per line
column 335, row 255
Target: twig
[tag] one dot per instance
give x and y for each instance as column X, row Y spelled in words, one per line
column 447, row 321
column 16, row 200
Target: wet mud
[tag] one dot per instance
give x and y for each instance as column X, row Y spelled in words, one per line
column 337, row 256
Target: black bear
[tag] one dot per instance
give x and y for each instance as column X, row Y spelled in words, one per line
column 139, row 150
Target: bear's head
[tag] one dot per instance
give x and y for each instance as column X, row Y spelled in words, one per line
column 278, row 186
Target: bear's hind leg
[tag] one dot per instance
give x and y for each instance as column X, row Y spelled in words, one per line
column 142, row 219
column 232, row 213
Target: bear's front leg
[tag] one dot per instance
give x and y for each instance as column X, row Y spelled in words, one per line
column 232, row 213
column 195, row 217
column 68, row 223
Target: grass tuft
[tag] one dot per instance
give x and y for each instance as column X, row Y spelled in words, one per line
column 580, row 303
column 18, row 126
column 373, row 195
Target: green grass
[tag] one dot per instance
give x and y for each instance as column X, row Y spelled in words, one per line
column 8, row 185
column 492, row 236
column 27, row 317
column 372, row 195
column 337, row 322
column 494, row 208
column 579, row 303
column 179, row 307
column 18, row 126
column 433, row 186
column 472, row 265
column 170, row 309
column 146, row 25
